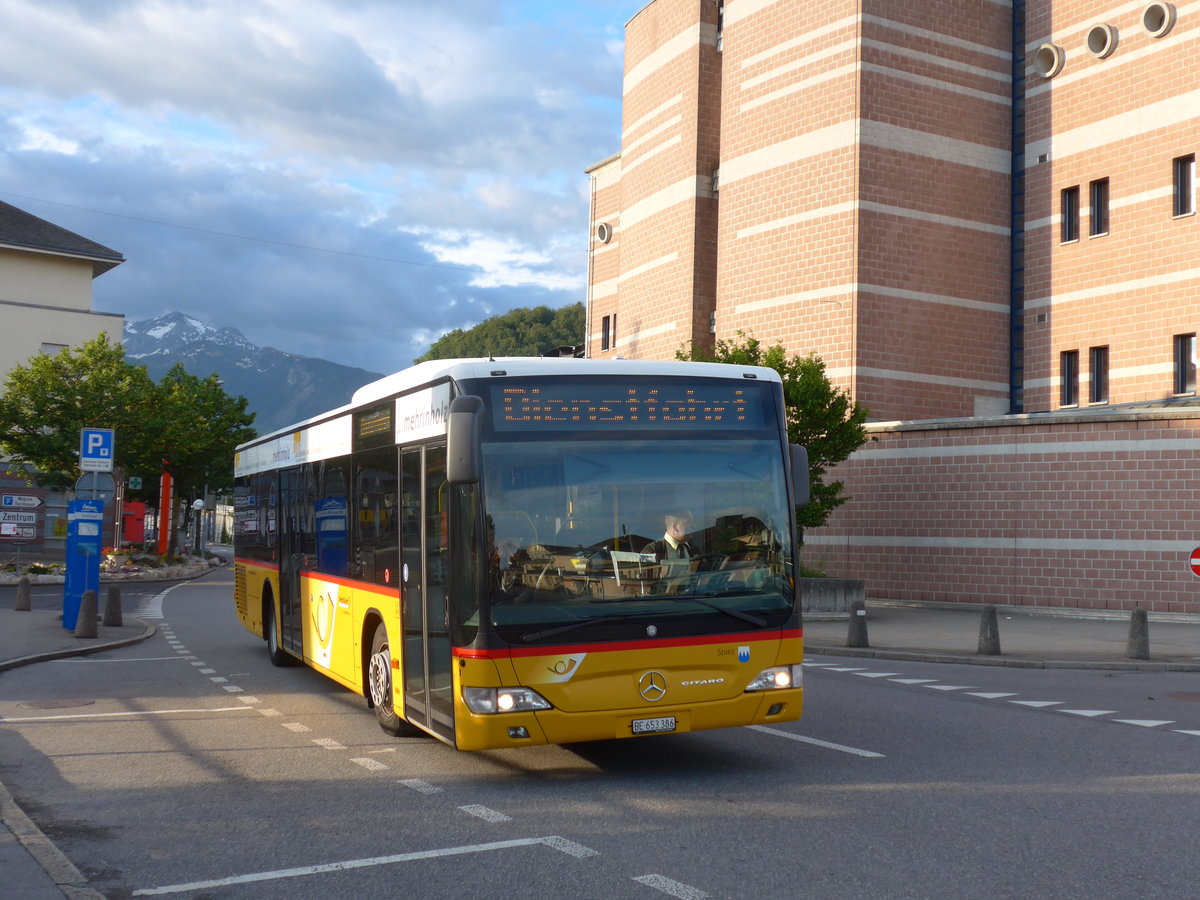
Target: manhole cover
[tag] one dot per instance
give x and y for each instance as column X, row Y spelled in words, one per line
column 1190, row 698
column 55, row 704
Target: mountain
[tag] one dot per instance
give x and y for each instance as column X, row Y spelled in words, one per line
column 281, row 388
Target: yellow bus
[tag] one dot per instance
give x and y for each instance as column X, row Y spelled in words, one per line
column 519, row 551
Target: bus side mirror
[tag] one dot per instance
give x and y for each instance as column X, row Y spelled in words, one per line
column 800, row 484
column 462, row 440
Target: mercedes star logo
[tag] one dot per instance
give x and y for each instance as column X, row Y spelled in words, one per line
column 652, row 686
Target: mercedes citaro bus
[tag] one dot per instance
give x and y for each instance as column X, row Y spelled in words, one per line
column 480, row 549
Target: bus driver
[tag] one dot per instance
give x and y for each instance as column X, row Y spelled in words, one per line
column 674, row 543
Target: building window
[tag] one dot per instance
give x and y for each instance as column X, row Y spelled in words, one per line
column 1185, row 363
column 52, row 349
column 1068, row 376
column 605, row 333
column 1185, row 181
column 1098, row 389
column 1070, row 214
column 1099, row 198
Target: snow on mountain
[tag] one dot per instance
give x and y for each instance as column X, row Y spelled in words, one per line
column 281, row 388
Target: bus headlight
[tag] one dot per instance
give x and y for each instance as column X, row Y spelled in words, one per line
column 484, row 701
column 777, row 677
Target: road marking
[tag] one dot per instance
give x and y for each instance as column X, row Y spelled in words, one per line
column 844, row 669
column 367, row 763
column 876, row 674
column 233, row 688
column 482, row 812
column 249, row 699
column 815, row 742
column 554, row 842
column 270, row 713
column 89, row 659
column 948, row 687
column 295, row 726
column 208, row 671
column 1145, row 723
column 329, row 744
column 143, row 712
column 1088, row 712
column 421, row 787
column 672, row 887
column 217, row 679
column 992, row 696
column 1037, row 704
column 914, row 680
column 1182, row 731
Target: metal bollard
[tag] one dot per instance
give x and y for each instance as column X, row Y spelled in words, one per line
column 85, row 625
column 23, row 603
column 856, row 635
column 112, row 608
column 1138, row 645
column 989, row 632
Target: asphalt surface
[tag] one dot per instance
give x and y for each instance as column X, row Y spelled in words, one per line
column 1038, row 638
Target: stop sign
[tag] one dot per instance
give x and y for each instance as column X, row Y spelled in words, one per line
column 1194, row 562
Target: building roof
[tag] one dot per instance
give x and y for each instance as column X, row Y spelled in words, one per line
column 20, row 230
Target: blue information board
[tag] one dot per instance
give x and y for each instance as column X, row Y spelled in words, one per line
column 85, row 527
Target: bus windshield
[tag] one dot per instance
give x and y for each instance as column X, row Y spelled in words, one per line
column 587, row 535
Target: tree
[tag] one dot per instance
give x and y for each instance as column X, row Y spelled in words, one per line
column 202, row 425
column 529, row 331
column 47, row 401
column 190, row 421
column 820, row 417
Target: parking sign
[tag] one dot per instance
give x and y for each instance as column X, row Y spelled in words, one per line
column 97, row 447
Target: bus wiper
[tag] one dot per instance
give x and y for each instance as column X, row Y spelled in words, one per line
column 736, row 613
column 578, row 623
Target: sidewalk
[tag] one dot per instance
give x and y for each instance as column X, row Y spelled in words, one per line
column 1029, row 637
column 34, row 868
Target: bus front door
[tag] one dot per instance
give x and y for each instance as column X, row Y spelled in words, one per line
column 428, row 676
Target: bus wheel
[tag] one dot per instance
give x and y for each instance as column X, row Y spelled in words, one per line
column 379, row 681
column 279, row 656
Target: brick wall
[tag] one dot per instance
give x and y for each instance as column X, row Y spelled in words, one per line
column 1077, row 510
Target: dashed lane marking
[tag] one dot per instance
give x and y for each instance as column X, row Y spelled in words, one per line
column 671, row 887
column 421, row 787
column 329, row 744
column 934, row 684
column 483, row 812
column 366, row 762
column 1037, row 704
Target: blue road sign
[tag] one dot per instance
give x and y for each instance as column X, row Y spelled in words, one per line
column 97, row 447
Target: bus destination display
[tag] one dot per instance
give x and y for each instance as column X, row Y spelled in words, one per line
column 573, row 405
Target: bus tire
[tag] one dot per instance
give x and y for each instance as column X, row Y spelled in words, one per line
column 379, row 683
column 279, row 656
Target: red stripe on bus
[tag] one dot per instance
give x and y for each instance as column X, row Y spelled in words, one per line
column 615, row 646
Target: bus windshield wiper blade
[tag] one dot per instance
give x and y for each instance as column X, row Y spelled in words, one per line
column 578, row 623
column 736, row 613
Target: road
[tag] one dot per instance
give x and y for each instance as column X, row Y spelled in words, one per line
column 188, row 766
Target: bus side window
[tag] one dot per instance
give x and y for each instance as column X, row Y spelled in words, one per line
column 376, row 517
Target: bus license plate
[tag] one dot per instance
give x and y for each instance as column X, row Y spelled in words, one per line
column 654, row 726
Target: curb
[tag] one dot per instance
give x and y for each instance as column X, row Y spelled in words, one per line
column 148, row 631
column 54, row 863
column 1009, row 662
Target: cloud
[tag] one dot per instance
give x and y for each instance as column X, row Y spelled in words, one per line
column 428, row 155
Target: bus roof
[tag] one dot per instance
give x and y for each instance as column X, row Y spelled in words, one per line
column 516, row 366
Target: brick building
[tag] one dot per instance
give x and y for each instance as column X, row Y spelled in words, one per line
column 981, row 215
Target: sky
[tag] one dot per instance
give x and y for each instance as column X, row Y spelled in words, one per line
column 345, row 179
